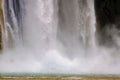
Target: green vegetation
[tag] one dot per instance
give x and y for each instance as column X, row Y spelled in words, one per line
column 56, row 75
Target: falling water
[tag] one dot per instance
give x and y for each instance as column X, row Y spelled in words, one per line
column 76, row 29
column 41, row 34
column 12, row 34
column 57, row 36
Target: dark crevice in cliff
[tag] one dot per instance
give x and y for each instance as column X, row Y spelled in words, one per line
column 108, row 18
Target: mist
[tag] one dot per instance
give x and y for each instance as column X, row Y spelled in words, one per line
column 58, row 36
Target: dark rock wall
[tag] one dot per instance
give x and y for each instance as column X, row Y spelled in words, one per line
column 107, row 15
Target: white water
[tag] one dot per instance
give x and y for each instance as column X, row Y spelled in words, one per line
column 59, row 37
column 12, row 29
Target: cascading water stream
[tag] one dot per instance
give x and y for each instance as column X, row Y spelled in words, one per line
column 12, row 34
column 76, row 29
column 41, row 34
column 58, row 37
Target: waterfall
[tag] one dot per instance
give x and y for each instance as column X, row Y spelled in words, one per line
column 12, row 34
column 76, row 25
column 41, row 33
column 57, row 36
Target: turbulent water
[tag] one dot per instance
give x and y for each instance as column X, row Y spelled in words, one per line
column 53, row 36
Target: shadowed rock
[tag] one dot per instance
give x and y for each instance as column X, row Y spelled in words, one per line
column 1, row 24
column 108, row 18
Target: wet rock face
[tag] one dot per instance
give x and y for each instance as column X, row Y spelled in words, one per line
column 108, row 21
column 107, row 11
column 1, row 24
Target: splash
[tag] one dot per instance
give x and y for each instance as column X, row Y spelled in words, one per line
column 58, row 36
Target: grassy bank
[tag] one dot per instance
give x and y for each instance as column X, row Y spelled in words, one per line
column 57, row 75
